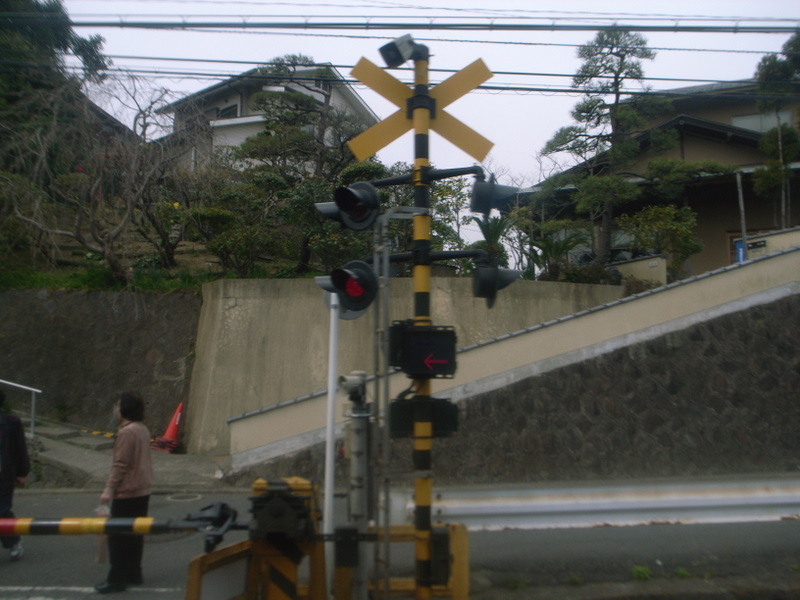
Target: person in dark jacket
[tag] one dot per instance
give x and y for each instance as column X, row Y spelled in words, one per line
column 128, row 490
column 14, row 468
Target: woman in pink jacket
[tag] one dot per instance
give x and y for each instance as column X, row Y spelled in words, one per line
column 128, row 490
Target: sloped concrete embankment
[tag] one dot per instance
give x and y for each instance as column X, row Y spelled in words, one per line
column 707, row 391
column 66, row 456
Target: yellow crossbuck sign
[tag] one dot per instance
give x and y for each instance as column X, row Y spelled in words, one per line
column 384, row 133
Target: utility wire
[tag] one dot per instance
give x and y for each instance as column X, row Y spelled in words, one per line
column 610, row 21
column 11, row 65
column 482, row 42
column 500, row 88
column 495, row 23
column 474, row 10
column 408, row 69
column 410, row 26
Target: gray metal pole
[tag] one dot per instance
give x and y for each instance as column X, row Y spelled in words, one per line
column 742, row 222
column 359, row 496
column 330, row 437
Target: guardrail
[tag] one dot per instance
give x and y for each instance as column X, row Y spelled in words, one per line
column 33, row 392
column 612, row 504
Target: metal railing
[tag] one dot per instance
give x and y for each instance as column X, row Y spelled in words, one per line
column 568, row 505
column 33, row 392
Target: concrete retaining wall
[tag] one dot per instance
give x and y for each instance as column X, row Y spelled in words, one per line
column 265, row 342
column 83, row 348
column 629, row 389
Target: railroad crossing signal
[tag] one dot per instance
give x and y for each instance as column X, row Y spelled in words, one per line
column 356, row 284
column 422, row 352
column 489, row 278
column 384, row 133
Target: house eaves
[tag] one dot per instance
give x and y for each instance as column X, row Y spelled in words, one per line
column 253, row 78
column 708, row 129
column 108, row 123
column 722, row 88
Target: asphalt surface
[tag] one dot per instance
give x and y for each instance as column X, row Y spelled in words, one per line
column 605, row 564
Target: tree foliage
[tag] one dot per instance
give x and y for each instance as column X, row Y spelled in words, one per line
column 304, row 143
column 550, row 252
column 604, row 122
column 668, row 178
column 777, row 77
column 603, row 137
column 34, row 39
column 664, row 230
column 493, row 229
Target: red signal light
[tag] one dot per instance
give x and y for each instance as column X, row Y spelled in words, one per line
column 355, row 284
column 353, row 289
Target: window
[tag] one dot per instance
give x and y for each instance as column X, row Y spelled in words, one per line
column 229, row 112
column 323, row 84
column 761, row 122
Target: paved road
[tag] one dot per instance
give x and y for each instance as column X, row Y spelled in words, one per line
column 63, row 567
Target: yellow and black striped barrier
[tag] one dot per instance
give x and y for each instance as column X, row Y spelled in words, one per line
column 214, row 520
column 283, row 537
column 93, row 525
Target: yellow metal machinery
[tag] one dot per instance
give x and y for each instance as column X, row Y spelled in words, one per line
column 284, row 557
column 283, row 535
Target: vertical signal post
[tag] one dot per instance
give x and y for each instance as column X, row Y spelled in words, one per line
column 421, row 107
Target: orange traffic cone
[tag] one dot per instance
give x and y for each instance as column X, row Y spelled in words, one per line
column 169, row 441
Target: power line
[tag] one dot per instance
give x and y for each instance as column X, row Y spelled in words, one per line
column 501, row 23
column 483, row 12
column 430, row 26
column 498, row 88
column 248, row 28
column 611, row 21
column 483, row 42
column 432, row 70
column 494, row 15
column 216, row 75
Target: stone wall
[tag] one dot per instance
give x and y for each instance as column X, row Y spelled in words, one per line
column 83, row 348
column 719, row 397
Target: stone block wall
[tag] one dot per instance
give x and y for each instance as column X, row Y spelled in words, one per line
column 720, row 397
column 83, row 348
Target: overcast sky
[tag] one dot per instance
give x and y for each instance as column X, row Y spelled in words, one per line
column 518, row 123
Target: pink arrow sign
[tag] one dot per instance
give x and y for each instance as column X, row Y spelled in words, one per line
column 430, row 361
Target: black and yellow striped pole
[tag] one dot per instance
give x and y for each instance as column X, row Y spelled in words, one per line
column 92, row 525
column 214, row 520
column 422, row 109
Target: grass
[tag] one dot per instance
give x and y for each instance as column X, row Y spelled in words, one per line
column 194, row 269
column 515, row 584
column 99, row 278
column 641, row 573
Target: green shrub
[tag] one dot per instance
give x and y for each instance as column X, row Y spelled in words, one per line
column 588, row 274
